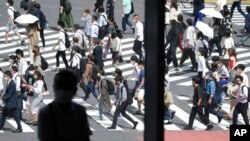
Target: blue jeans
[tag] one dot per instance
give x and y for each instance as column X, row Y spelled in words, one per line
column 167, row 113
column 91, row 89
column 125, row 21
column 238, row 5
column 198, row 15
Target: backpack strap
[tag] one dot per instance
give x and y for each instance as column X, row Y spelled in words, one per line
column 242, row 90
column 64, row 37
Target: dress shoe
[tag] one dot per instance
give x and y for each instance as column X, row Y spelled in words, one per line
column 111, row 127
column 17, row 131
column 169, row 122
column 219, row 119
column 188, row 128
column 135, row 124
column 209, row 127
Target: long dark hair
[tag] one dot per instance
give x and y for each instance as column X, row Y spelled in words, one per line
column 174, row 4
column 234, row 54
column 39, row 75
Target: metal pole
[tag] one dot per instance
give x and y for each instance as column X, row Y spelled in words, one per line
column 154, row 72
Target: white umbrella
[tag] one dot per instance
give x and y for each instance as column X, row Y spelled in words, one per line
column 205, row 29
column 212, row 13
column 26, row 19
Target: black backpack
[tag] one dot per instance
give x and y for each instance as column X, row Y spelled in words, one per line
column 119, row 33
column 16, row 13
column 111, row 86
column 248, row 94
column 67, row 41
column 83, row 63
column 129, row 100
column 43, row 20
column 68, row 7
column 44, row 63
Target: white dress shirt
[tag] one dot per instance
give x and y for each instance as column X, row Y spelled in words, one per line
column 94, row 30
column 139, row 31
column 243, row 94
column 61, row 46
column 17, row 79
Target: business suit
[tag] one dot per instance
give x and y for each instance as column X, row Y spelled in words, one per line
column 10, row 102
column 97, row 53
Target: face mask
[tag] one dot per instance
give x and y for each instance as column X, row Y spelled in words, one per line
column 7, row 4
column 5, row 78
column 31, row 72
column 98, row 74
column 35, row 77
column 134, row 21
column 63, row 97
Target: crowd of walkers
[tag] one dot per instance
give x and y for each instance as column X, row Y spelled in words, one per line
column 219, row 76
column 88, row 49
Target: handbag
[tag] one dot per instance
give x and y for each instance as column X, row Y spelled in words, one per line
column 168, row 98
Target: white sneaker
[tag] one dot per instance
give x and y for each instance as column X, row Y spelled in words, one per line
column 45, row 93
column 1, row 131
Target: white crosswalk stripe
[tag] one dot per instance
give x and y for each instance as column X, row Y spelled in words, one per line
column 237, row 19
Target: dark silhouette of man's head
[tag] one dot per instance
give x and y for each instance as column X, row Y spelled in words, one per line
column 65, row 86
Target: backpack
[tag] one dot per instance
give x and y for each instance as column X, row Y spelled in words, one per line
column 16, row 13
column 111, row 86
column 83, row 63
column 248, row 94
column 129, row 100
column 222, row 30
column 132, row 8
column 103, row 30
column 43, row 21
column 44, row 63
column 24, row 4
column 95, row 71
column 67, row 41
column 68, row 7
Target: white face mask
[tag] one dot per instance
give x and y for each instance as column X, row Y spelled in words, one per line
column 134, row 21
column 63, row 97
column 5, row 78
column 31, row 72
column 35, row 77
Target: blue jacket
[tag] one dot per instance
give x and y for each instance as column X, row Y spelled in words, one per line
column 10, row 96
column 247, row 22
column 210, row 87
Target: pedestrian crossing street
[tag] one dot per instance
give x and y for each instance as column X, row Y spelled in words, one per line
column 237, row 19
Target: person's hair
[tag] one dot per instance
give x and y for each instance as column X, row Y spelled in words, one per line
column 102, row 72
column 113, row 35
column 33, row 26
column 19, row 52
column 101, row 9
column 216, row 21
column 94, row 17
column 96, row 41
column 196, row 79
column 76, row 48
column 214, row 67
column 248, row 9
column 134, row 58
column 232, row 52
column 11, row 2
column 228, row 33
column 141, row 63
column 91, row 57
column 118, row 78
column 75, row 39
column 14, row 58
column 76, row 26
column 65, row 80
column 135, row 15
column 60, row 23
column 31, row 67
column 225, row 7
column 189, row 22
column 86, row 11
column 239, row 77
column 36, row 51
column 14, row 68
column 37, row 5
column 221, row 60
column 39, row 75
column 180, row 17
column 200, row 35
column 226, row 12
column 241, row 66
column 174, row 4
column 8, row 73
column 118, row 71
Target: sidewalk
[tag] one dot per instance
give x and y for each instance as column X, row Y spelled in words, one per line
column 196, row 135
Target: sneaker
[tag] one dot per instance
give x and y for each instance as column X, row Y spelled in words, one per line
column 172, row 114
column 188, row 128
column 135, row 124
column 209, row 127
column 169, row 122
column 219, row 119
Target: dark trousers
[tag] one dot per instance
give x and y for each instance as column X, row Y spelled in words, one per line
column 201, row 112
column 210, row 108
column 188, row 52
column 240, row 108
column 20, row 104
column 90, row 89
column 171, row 55
column 63, row 54
column 216, row 41
column 15, row 114
column 110, row 8
column 44, row 84
column 121, row 108
column 42, row 36
column 197, row 16
column 137, row 48
column 125, row 21
column 238, row 5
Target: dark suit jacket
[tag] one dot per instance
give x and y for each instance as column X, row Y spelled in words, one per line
column 10, row 96
column 97, row 53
